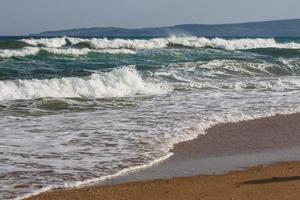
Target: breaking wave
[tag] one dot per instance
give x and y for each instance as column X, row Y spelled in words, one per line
column 79, row 46
column 78, row 52
column 192, row 90
column 121, row 82
column 46, row 42
column 234, row 44
column 196, row 42
column 258, row 85
column 29, row 51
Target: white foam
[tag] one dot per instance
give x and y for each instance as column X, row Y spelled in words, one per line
column 126, row 46
column 84, row 51
column 192, row 133
column 125, row 81
column 27, row 51
column 104, row 43
column 232, row 44
column 197, row 42
column 36, row 192
column 117, row 51
column 67, row 51
column 46, row 42
column 96, row 180
column 96, row 43
column 279, row 84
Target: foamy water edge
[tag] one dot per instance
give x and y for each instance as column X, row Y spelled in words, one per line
column 199, row 130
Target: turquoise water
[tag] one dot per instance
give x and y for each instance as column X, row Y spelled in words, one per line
column 79, row 110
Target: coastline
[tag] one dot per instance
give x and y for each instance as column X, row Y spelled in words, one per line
column 281, row 181
column 225, row 148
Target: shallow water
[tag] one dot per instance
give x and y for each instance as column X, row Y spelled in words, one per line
column 78, row 110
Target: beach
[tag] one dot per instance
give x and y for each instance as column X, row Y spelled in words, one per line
column 281, row 181
column 77, row 112
column 255, row 159
column 149, row 100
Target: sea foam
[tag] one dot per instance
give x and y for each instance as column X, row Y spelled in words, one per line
column 197, row 42
column 79, row 46
column 121, row 82
column 27, row 51
column 46, row 42
column 30, row 51
column 84, row 51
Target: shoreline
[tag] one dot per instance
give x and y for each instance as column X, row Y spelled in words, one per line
column 227, row 147
column 272, row 182
column 252, row 143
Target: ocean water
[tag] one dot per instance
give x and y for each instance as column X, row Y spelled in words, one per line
column 75, row 111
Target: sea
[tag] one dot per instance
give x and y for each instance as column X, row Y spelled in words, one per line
column 78, row 111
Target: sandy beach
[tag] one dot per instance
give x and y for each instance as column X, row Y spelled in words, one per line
column 112, row 100
column 281, row 181
column 263, row 142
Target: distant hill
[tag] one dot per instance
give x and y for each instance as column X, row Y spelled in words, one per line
column 279, row 28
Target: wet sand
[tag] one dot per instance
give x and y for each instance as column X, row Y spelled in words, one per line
column 265, row 134
column 280, row 182
column 225, row 148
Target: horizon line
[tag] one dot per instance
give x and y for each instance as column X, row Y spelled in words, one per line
column 153, row 27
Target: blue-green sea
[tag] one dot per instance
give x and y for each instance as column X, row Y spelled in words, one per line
column 75, row 111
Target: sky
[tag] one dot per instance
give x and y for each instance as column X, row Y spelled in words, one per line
column 22, row 17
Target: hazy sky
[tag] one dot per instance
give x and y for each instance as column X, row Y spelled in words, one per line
column 19, row 17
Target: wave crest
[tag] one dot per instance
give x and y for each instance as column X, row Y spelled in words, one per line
column 79, row 46
column 135, row 44
column 27, row 51
column 121, row 82
column 46, row 42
